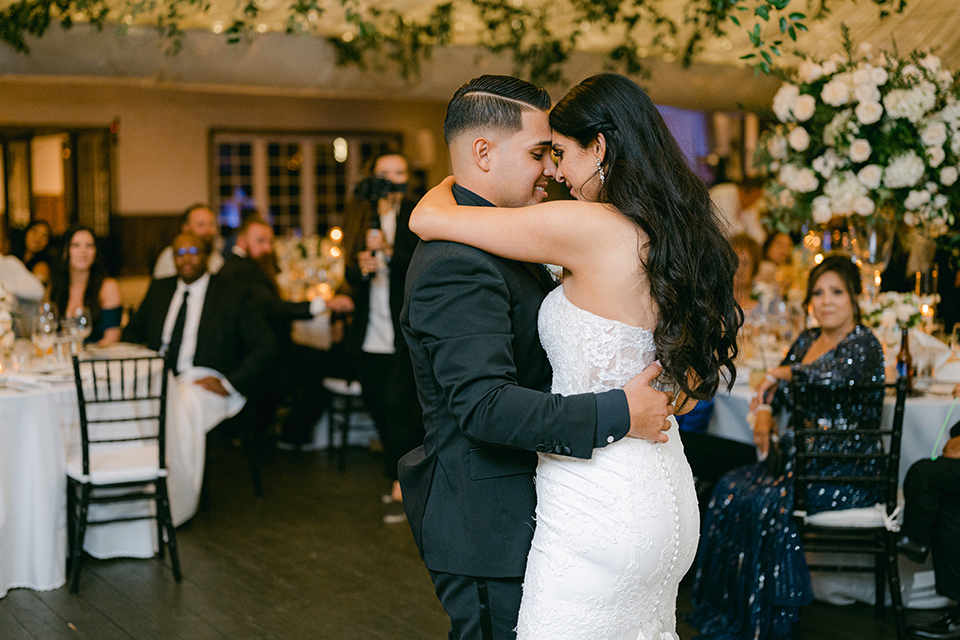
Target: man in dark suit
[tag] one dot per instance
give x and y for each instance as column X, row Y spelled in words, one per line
column 931, row 521
column 470, row 320
column 216, row 344
column 379, row 247
column 295, row 369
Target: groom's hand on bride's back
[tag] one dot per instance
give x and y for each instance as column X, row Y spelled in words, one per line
column 649, row 408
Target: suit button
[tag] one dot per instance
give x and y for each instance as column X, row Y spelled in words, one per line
column 566, row 450
column 540, row 447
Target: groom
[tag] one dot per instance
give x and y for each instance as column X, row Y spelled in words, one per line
column 470, row 320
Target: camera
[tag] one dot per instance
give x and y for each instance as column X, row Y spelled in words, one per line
column 374, row 189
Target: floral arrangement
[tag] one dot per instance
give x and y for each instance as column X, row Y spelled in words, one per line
column 8, row 305
column 891, row 311
column 860, row 132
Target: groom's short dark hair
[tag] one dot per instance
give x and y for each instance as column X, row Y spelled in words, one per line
column 495, row 102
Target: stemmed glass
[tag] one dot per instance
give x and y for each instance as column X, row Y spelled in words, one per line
column 44, row 334
column 78, row 327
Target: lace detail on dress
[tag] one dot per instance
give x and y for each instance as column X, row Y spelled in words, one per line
column 617, row 532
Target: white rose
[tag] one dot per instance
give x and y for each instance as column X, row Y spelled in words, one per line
column 868, row 112
column 821, row 211
column 859, row 150
column 910, row 72
column 948, row 175
column 905, row 312
column 862, row 75
column 870, row 176
column 910, row 219
column 916, row 199
column 931, row 63
column 777, row 146
column 866, row 93
column 888, row 319
column 934, row 134
column 863, row 205
column 950, row 113
column 786, row 198
column 783, row 101
column 825, row 164
column 806, row 181
column 835, row 93
column 829, row 67
column 944, row 78
column 803, row 107
column 940, row 201
column 935, row 156
column 878, row 75
column 799, row 139
column 904, row 170
column 809, row 71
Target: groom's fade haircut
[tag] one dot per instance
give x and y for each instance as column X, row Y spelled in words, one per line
column 492, row 102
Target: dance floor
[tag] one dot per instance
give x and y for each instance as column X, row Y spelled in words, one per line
column 312, row 559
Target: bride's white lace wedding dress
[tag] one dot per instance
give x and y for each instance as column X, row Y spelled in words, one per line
column 616, row 533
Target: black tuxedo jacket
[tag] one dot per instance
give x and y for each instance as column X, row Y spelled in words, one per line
column 470, row 321
column 242, row 274
column 404, row 244
column 232, row 337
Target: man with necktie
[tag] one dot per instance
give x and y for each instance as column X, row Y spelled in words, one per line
column 215, row 343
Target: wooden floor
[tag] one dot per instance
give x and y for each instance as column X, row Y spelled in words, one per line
column 310, row 560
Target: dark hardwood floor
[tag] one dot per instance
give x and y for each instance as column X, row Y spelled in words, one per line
column 310, row 560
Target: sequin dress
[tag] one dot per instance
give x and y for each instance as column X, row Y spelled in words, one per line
column 751, row 575
column 616, row 533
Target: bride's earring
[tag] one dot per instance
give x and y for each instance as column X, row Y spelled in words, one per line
column 603, row 177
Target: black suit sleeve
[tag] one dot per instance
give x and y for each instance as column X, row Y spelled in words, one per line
column 258, row 347
column 460, row 311
column 144, row 322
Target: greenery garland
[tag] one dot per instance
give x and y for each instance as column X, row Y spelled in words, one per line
column 522, row 28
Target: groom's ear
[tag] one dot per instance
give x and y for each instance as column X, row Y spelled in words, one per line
column 481, row 153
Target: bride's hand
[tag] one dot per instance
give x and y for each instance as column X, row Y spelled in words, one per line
column 649, row 408
column 424, row 215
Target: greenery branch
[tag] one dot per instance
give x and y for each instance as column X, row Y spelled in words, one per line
column 528, row 30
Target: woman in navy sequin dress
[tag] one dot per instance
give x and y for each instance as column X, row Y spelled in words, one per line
column 751, row 575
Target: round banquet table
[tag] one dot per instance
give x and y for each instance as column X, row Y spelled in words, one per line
column 39, row 428
column 923, row 417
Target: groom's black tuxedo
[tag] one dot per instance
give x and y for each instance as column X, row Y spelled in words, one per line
column 470, row 320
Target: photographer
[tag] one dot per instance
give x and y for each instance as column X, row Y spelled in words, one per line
column 379, row 245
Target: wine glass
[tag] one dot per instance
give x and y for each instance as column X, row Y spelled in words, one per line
column 78, row 326
column 48, row 310
column 44, row 334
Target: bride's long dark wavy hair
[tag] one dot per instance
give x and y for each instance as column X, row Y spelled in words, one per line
column 689, row 262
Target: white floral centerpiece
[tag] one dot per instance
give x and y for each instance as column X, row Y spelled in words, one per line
column 863, row 132
column 8, row 306
column 890, row 312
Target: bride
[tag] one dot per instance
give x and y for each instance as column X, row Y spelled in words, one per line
column 647, row 275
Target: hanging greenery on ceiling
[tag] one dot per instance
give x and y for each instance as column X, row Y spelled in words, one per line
column 531, row 32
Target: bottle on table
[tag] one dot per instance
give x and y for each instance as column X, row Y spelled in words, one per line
column 904, row 361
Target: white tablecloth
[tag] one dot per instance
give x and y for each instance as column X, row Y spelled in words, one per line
column 38, row 429
column 922, row 419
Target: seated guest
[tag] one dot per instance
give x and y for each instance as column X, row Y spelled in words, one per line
column 931, row 520
column 17, row 279
column 250, row 268
column 34, row 250
column 216, row 344
column 776, row 261
column 199, row 220
column 80, row 280
column 751, row 576
column 748, row 256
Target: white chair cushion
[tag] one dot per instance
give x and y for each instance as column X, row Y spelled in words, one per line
column 119, row 462
column 874, row 517
column 340, row 387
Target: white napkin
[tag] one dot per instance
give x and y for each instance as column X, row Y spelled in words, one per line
column 25, row 381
